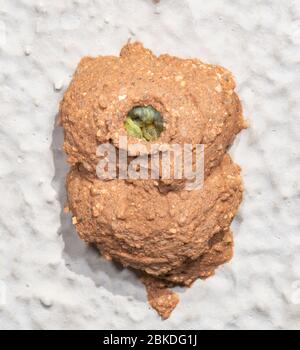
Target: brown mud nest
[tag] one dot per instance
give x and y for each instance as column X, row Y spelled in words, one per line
column 171, row 236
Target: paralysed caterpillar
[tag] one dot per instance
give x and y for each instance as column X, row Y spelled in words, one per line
column 144, row 122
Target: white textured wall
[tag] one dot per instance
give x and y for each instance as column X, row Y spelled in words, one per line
column 49, row 279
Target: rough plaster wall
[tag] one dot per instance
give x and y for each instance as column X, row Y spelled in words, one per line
column 48, row 277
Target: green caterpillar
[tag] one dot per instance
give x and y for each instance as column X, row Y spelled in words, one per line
column 144, row 122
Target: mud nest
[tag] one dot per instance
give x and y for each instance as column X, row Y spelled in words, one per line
column 169, row 235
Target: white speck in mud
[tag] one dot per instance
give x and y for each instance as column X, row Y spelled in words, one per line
column 122, row 97
column 218, row 88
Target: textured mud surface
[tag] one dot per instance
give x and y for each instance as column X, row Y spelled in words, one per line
column 159, row 232
column 49, row 277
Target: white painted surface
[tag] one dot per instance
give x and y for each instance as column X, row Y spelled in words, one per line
column 49, row 278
